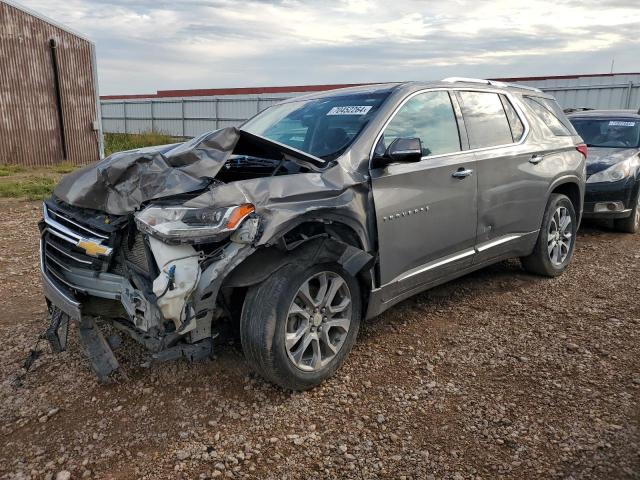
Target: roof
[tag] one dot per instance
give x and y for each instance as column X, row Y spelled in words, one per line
column 46, row 19
column 411, row 87
column 606, row 113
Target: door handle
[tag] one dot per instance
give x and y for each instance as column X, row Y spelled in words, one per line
column 535, row 159
column 462, row 173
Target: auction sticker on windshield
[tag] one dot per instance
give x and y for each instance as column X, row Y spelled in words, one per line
column 616, row 123
column 350, row 110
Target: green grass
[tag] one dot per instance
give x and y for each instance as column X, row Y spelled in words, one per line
column 37, row 183
column 35, row 188
column 65, row 167
column 117, row 142
column 7, row 170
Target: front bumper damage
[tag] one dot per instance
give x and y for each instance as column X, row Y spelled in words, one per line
column 186, row 302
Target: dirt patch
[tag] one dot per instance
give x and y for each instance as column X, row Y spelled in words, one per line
column 497, row 375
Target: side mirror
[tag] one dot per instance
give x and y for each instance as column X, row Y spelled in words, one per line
column 400, row 150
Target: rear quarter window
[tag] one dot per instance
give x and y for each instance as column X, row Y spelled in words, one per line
column 551, row 116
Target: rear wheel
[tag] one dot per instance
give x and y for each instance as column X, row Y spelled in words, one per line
column 631, row 224
column 298, row 326
column 554, row 247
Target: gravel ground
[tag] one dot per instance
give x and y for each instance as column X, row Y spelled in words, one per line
column 497, row 375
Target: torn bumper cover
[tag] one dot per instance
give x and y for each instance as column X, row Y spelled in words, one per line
column 181, row 302
column 190, row 306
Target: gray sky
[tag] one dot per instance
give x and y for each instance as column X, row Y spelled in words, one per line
column 149, row 45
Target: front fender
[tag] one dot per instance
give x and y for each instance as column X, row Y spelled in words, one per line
column 263, row 262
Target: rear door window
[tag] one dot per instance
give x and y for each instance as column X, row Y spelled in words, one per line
column 428, row 116
column 485, row 119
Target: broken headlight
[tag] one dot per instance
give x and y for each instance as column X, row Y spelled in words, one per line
column 191, row 224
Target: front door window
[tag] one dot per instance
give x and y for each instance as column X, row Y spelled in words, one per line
column 428, row 116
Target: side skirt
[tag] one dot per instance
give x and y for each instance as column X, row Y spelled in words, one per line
column 379, row 300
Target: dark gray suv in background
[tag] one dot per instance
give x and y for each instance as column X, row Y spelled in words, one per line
column 316, row 214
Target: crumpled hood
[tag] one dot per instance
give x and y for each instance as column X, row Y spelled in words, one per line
column 601, row 158
column 122, row 182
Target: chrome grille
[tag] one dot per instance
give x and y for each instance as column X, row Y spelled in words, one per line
column 62, row 256
column 73, row 225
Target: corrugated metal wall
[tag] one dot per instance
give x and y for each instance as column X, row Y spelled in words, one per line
column 181, row 117
column 30, row 132
column 191, row 116
column 617, row 91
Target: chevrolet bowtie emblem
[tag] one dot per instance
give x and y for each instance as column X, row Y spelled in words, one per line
column 92, row 248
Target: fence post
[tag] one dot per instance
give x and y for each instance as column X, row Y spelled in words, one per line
column 126, row 128
column 258, row 105
column 215, row 104
column 629, row 92
column 153, row 117
column 182, row 105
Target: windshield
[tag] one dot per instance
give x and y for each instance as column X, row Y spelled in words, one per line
column 323, row 127
column 608, row 132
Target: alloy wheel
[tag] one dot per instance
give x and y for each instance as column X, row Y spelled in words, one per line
column 559, row 236
column 318, row 321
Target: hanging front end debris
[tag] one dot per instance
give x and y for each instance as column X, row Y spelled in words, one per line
column 148, row 239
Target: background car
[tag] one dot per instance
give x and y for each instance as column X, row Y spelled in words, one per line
column 613, row 165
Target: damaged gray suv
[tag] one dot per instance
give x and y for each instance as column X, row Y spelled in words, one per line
column 316, row 214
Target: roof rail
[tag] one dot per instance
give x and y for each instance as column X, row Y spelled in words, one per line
column 467, row 80
column 495, row 83
column 525, row 87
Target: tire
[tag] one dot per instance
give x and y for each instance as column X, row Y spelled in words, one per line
column 273, row 311
column 631, row 224
column 551, row 256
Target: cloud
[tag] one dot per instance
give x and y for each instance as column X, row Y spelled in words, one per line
column 148, row 45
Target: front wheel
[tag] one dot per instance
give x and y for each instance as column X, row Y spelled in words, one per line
column 298, row 325
column 556, row 240
column 631, row 224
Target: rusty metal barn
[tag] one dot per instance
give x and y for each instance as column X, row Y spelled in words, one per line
column 49, row 104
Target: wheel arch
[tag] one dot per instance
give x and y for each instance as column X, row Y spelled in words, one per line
column 310, row 240
column 570, row 186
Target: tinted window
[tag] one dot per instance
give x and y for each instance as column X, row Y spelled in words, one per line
column 554, row 108
column 517, row 127
column 324, row 127
column 428, row 116
column 485, row 119
column 549, row 118
column 609, row 132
